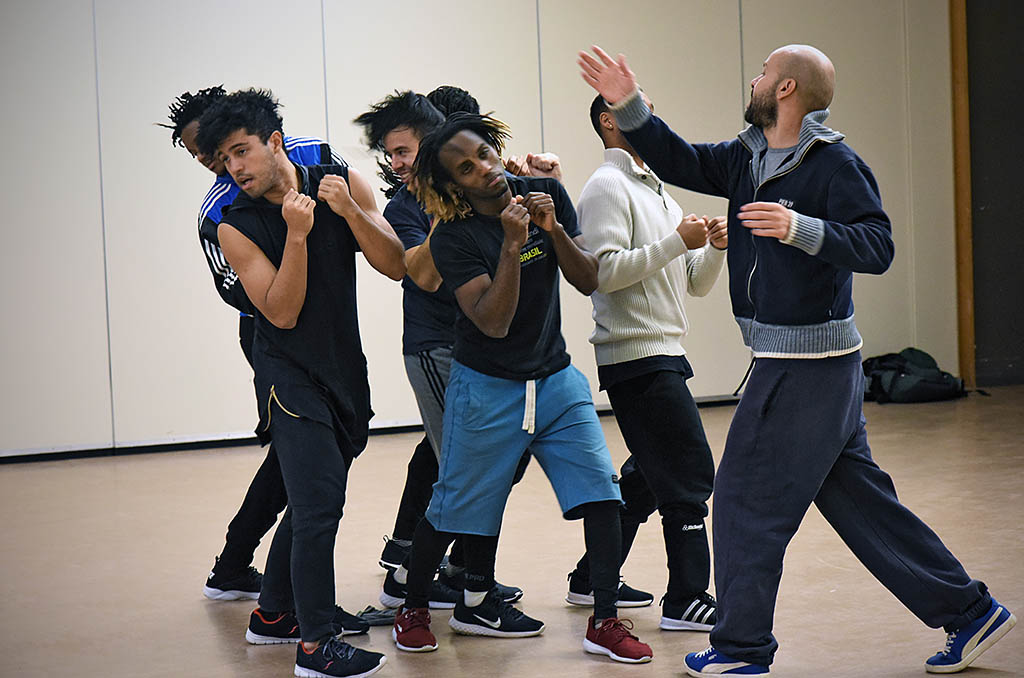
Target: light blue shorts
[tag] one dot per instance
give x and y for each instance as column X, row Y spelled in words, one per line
column 486, row 433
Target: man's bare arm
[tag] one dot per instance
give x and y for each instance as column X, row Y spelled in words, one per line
column 279, row 294
column 577, row 264
column 419, row 263
column 491, row 304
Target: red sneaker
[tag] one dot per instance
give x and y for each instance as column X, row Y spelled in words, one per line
column 615, row 640
column 411, row 631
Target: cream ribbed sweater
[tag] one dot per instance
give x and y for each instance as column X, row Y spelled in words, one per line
column 629, row 222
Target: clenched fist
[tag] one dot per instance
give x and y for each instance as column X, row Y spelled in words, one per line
column 515, row 220
column 718, row 232
column 297, row 210
column 541, row 208
column 335, row 192
column 694, row 231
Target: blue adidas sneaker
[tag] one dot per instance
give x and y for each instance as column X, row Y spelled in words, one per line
column 965, row 645
column 711, row 663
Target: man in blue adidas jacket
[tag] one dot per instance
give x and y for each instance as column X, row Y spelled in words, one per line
column 804, row 215
column 233, row 576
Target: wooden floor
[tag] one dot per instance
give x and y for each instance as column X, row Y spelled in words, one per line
column 103, row 561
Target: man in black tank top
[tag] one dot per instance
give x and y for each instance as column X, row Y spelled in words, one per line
column 291, row 236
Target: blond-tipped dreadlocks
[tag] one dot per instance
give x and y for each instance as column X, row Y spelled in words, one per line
column 434, row 187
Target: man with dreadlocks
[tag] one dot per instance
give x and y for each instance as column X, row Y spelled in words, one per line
column 499, row 248
column 449, row 99
column 292, row 234
column 233, row 576
column 394, row 127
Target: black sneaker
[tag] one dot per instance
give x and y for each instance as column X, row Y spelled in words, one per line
column 696, row 614
column 272, row 628
column 510, row 594
column 283, row 627
column 394, row 554
column 493, row 617
column 243, row 585
column 346, row 624
column 334, row 658
column 581, row 594
column 442, row 596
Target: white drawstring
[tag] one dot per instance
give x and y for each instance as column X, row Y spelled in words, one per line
column 530, row 411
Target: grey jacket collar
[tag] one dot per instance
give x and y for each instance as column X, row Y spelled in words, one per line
column 811, row 130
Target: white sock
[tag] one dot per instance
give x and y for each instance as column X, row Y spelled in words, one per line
column 473, row 598
column 401, row 574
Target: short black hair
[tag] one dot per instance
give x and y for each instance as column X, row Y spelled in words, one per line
column 434, row 186
column 401, row 109
column 450, row 99
column 597, row 107
column 254, row 110
column 189, row 107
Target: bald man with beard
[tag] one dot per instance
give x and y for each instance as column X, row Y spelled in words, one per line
column 804, row 215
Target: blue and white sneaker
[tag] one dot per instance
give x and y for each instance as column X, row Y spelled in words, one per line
column 965, row 645
column 711, row 663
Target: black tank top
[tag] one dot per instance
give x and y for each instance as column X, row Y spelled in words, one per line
column 317, row 369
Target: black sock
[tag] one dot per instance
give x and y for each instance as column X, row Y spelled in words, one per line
column 420, row 476
column 428, row 547
column 480, row 553
column 603, row 538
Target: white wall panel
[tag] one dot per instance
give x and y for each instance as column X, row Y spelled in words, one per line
column 867, row 43
column 178, row 373
column 931, row 181
column 371, row 53
column 53, row 353
column 686, row 57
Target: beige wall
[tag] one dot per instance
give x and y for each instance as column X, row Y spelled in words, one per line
column 55, row 373
column 930, row 189
column 675, row 73
column 175, row 372
column 381, row 56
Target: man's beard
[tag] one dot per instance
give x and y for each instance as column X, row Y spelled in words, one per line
column 762, row 111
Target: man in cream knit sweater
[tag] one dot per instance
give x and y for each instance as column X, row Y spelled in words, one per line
column 650, row 255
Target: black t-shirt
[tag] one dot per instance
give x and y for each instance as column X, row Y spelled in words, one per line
column 317, row 369
column 428, row 318
column 466, row 248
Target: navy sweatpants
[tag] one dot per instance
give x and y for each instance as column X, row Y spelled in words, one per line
column 798, row 437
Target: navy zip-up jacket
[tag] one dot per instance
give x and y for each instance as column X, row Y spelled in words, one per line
column 791, row 299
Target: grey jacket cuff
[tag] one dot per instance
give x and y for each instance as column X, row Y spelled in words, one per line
column 806, row 233
column 630, row 113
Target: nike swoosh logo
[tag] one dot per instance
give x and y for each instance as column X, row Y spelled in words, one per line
column 493, row 624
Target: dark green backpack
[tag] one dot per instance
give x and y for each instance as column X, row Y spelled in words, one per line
column 910, row 376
